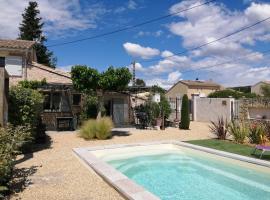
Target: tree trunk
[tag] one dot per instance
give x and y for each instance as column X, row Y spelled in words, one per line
column 100, row 108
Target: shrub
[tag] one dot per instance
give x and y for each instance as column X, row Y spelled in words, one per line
column 100, row 128
column 184, row 124
column 25, row 107
column 231, row 93
column 11, row 140
column 88, row 129
column 239, row 131
column 219, row 128
column 32, row 84
column 257, row 133
column 103, row 128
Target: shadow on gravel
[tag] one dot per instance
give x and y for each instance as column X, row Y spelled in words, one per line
column 21, row 179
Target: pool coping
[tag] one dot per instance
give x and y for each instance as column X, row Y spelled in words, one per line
column 128, row 188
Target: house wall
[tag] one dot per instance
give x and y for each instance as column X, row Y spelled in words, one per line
column 203, row 92
column 3, row 96
column 210, row 109
column 116, row 98
column 257, row 88
column 177, row 91
column 35, row 73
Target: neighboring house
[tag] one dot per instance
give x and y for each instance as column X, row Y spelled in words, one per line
column 4, row 87
column 199, row 88
column 190, row 88
column 62, row 104
column 257, row 88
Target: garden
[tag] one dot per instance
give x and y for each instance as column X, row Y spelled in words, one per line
column 239, row 136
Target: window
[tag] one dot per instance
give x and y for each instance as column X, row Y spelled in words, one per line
column 76, row 99
column 52, row 101
column 13, row 65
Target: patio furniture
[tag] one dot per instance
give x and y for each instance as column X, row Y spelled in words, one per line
column 262, row 148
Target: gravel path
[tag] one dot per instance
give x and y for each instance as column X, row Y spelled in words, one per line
column 56, row 173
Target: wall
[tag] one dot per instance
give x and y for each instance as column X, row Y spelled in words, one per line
column 203, row 92
column 35, row 73
column 177, row 90
column 210, row 109
column 257, row 88
column 259, row 113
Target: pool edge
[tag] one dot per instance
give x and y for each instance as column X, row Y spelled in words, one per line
column 128, row 188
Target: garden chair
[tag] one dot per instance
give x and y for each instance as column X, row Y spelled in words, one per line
column 263, row 148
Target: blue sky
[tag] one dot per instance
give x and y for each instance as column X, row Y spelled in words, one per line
column 67, row 20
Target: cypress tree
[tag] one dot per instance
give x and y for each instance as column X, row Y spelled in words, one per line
column 185, row 120
column 31, row 29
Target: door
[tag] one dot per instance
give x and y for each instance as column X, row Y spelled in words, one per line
column 118, row 111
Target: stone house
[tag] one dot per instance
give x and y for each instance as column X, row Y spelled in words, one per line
column 257, row 88
column 62, row 104
column 190, row 88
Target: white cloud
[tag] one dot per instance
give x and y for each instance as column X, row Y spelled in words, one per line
column 137, row 50
column 132, row 4
column 148, row 33
column 173, row 77
column 138, row 67
column 59, row 16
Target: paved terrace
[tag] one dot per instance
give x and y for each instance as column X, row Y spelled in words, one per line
column 54, row 172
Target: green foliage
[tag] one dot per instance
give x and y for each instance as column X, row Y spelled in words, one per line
column 25, row 106
column 100, row 129
column 257, row 133
column 231, row 93
column 11, row 140
column 140, row 82
column 165, row 106
column 115, row 79
column 87, row 79
column 89, row 108
column 239, row 131
column 32, row 84
column 103, row 128
column 185, row 120
column 150, row 111
column 244, row 89
column 219, row 128
column 266, row 90
column 31, row 29
column 157, row 89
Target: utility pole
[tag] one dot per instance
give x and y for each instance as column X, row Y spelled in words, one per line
column 133, row 73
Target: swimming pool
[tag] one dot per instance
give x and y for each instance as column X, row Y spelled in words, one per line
column 173, row 172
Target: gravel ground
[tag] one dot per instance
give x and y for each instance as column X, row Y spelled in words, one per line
column 56, row 173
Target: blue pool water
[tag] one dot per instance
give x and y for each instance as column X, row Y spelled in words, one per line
column 188, row 177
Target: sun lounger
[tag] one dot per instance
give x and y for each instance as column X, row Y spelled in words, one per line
column 262, row 148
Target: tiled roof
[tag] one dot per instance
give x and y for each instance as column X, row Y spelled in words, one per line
column 16, row 44
column 200, row 83
column 49, row 69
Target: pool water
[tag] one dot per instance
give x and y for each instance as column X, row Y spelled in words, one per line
column 173, row 176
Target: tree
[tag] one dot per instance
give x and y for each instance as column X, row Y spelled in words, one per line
column 266, row 90
column 89, row 80
column 231, row 93
column 184, row 124
column 140, row 82
column 31, row 29
column 157, row 89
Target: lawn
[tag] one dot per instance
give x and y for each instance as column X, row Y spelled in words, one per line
column 228, row 146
